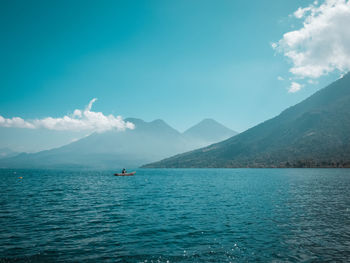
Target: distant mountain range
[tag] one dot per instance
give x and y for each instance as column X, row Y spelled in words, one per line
column 6, row 153
column 148, row 142
column 208, row 130
column 313, row 133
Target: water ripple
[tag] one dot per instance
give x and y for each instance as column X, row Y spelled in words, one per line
column 204, row 215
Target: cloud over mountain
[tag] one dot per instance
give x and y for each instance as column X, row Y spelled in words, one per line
column 80, row 120
column 322, row 44
column 294, row 87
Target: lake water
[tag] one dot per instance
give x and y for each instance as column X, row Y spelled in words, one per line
column 168, row 215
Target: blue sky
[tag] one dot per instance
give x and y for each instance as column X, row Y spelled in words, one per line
column 180, row 61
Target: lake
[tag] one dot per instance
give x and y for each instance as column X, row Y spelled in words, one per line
column 175, row 215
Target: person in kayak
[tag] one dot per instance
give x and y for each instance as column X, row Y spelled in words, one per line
column 123, row 171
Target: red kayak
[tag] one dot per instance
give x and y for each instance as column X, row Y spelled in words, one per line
column 125, row 174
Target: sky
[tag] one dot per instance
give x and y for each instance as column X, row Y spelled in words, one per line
column 70, row 68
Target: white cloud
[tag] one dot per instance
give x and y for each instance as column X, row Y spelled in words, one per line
column 294, row 87
column 80, row 120
column 15, row 122
column 77, row 113
column 322, row 44
column 280, row 78
column 301, row 12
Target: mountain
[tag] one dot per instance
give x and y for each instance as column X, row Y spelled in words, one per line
column 6, row 153
column 313, row 133
column 148, row 142
column 208, row 131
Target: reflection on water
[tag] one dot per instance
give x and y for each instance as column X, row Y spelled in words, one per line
column 185, row 215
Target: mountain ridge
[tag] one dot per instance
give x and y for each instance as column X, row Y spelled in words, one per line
column 312, row 133
column 149, row 141
column 207, row 130
column 7, row 152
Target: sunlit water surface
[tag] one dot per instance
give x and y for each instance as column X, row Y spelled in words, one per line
column 166, row 215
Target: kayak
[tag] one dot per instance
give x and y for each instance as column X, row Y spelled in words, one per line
column 125, row 174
